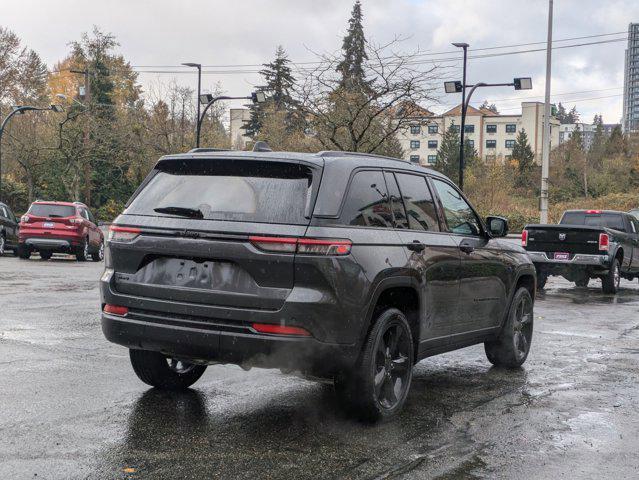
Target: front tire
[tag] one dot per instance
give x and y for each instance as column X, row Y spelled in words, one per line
column 23, row 252
column 377, row 387
column 45, row 255
column 511, row 347
column 163, row 372
column 610, row 283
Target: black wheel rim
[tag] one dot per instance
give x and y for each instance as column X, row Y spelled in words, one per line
column 522, row 326
column 101, row 251
column 179, row 366
column 392, row 366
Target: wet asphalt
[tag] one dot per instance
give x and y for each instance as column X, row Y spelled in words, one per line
column 71, row 406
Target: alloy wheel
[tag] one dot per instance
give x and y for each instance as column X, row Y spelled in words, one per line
column 523, row 326
column 179, row 366
column 392, row 366
column 1, row 245
column 101, row 251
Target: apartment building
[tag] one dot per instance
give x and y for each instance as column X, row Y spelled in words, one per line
column 587, row 132
column 491, row 135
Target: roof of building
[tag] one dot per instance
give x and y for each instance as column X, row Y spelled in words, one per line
column 456, row 111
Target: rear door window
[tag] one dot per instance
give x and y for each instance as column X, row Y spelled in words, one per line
column 51, row 210
column 367, row 203
column 233, row 190
column 418, row 200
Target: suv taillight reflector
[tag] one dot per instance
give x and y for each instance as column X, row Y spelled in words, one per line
column 122, row 234
column 116, row 310
column 524, row 238
column 280, row 329
column 305, row 246
column 604, row 241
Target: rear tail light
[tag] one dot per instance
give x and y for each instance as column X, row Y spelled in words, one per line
column 305, row 246
column 280, row 329
column 604, row 241
column 524, row 238
column 24, row 218
column 122, row 234
column 116, row 310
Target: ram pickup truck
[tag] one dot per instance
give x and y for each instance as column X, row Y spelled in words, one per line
column 586, row 244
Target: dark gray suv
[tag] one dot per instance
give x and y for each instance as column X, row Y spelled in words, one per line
column 335, row 265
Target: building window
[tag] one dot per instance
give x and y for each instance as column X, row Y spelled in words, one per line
column 491, row 128
column 414, row 144
column 471, row 143
column 455, row 128
column 432, row 129
column 415, row 129
column 432, row 143
column 414, row 159
column 432, row 159
column 491, row 143
column 511, row 128
column 510, row 143
column 469, row 128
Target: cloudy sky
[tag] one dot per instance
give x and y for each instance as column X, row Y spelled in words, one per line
column 163, row 33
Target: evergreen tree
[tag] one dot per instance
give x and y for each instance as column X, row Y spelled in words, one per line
column 448, row 154
column 279, row 84
column 561, row 113
column 525, row 158
column 573, row 115
column 564, row 116
column 351, row 67
column 616, row 142
column 492, row 107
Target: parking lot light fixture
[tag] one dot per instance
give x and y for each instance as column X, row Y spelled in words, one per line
column 523, row 83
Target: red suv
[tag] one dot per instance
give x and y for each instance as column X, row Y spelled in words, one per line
column 60, row 227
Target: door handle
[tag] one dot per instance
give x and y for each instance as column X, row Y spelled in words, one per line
column 466, row 248
column 416, row 246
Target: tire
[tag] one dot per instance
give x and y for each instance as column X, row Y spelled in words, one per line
column 377, row 387
column 3, row 244
column 23, row 252
column 82, row 254
column 542, row 278
column 98, row 255
column 45, row 255
column 610, row 283
column 583, row 282
column 511, row 347
column 162, row 372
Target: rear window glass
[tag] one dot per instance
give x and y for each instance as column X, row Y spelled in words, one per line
column 49, row 210
column 243, row 191
column 367, row 202
column 610, row 220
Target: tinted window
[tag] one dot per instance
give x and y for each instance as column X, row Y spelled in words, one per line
column 50, row 210
column 397, row 206
column 3, row 212
column 248, row 191
column 367, row 201
column 459, row 215
column 418, row 202
column 610, row 220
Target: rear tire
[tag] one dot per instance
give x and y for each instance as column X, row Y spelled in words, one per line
column 542, row 278
column 159, row 371
column 45, row 255
column 610, row 283
column 3, row 243
column 377, row 387
column 582, row 282
column 98, row 255
column 82, row 253
column 23, row 252
column 511, row 347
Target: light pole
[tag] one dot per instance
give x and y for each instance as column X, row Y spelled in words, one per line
column 21, row 110
column 208, row 100
column 464, row 46
column 545, row 144
column 199, row 85
column 520, row 83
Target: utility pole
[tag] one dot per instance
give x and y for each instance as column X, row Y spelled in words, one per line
column 87, row 164
column 545, row 144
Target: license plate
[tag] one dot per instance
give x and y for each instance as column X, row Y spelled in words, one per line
column 562, row 256
column 47, row 224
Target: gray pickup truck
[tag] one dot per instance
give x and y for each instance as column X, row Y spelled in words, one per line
column 586, row 244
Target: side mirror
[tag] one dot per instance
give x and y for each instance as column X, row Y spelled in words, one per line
column 497, row 226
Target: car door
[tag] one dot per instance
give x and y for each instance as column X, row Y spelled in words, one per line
column 12, row 227
column 95, row 236
column 634, row 235
column 485, row 273
column 433, row 255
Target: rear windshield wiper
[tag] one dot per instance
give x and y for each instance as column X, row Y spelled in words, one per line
column 181, row 211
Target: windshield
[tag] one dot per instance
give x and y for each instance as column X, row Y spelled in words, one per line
column 610, row 220
column 249, row 191
column 51, row 210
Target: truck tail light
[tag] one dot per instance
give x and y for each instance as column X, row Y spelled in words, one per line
column 524, row 238
column 303, row 246
column 280, row 329
column 604, row 241
column 116, row 310
column 122, row 234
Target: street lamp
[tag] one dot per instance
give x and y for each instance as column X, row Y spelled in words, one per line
column 519, row 83
column 199, row 83
column 21, row 109
column 208, row 100
column 461, row 88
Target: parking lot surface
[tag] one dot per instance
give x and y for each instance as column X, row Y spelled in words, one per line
column 71, row 406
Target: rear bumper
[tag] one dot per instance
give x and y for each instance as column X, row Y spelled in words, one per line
column 56, row 243
column 48, row 243
column 578, row 259
column 215, row 343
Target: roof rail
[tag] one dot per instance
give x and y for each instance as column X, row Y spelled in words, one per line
column 202, row 149
column 339, row 153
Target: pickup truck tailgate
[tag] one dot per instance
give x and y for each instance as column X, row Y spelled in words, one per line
column 563, row 238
